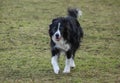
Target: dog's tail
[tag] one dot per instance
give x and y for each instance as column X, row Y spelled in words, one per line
column 75, row 13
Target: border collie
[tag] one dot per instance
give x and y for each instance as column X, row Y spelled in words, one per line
column 65, row 34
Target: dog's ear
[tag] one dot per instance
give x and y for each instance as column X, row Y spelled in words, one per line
column 51, row 25
column 50, row 30
column 66, row 23
column 54, row 20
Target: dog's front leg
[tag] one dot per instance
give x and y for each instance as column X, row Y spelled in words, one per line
column 67, row 62
column 67, row 66
column 72, row 63
column 54, row 62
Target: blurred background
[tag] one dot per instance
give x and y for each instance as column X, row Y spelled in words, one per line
column 24, row 41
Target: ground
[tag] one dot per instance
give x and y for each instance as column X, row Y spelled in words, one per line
column 24, row 41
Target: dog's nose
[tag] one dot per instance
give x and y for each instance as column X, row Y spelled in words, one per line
column 57, row 36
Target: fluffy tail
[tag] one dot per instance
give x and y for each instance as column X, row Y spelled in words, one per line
column 75, row 13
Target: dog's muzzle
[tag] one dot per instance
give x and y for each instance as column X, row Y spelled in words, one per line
column 57, row 37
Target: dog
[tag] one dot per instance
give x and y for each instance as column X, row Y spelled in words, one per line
column 65, row 36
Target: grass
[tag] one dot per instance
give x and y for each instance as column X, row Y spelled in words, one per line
column 24, row 41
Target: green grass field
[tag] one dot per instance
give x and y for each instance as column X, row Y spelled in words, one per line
column 24, row 41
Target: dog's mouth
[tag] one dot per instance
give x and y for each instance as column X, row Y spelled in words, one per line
column 58, row 38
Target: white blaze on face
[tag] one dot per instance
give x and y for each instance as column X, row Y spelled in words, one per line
column 57, row 35
column 58, row 30
column 58, row 25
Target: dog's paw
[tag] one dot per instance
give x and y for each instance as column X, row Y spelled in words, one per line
column 72, row 63
column 66, row 70
column 56, row 70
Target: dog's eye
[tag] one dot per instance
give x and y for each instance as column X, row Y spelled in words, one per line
column 54, row 29
column 61, row 28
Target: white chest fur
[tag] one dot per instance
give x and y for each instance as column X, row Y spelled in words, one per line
column 62, row 45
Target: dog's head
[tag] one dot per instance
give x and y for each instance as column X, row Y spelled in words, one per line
column 58, row 29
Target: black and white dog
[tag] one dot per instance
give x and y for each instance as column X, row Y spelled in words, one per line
column 66, row 34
